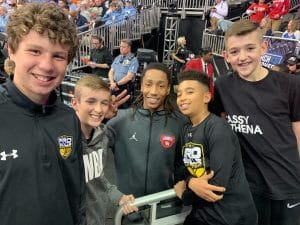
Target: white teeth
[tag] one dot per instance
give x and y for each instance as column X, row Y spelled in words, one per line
column 42, row 78
column 183, row 106
column 152, row 100
column 96, row 116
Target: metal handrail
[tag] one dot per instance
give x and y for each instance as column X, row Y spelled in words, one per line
column 152, row 200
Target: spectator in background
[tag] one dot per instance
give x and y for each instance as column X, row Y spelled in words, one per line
column 3, row 18
column 277, row 10
column 292, row 31
column 293, row 65
column 258, row 10
column 181, row 55
column 289, row 16
column 123, row 70
column 80, row 21
column 281, row 68
column 265, row 27
column 223, row 26
column 72, row 5
column 3, row 3
column 84, row 9
column 128, row 10
column 100, row 7
column 100, row 58
column 219, row 11
column 119, row 4
column 63, row 4
column 112, row 15
column 203, row 63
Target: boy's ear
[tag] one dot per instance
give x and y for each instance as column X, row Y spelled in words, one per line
column 264, row 47
column 207, row 97
column 225, row 55
column 74, row 102
column 10, row 52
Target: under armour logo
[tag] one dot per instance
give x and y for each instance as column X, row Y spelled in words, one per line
column 190, row 134
column 12, row 154
column 133, row 137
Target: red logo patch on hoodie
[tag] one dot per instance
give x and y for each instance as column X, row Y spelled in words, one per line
column 167, row 141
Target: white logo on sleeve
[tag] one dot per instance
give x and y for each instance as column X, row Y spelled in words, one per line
column 13, row 154
column 290, row 206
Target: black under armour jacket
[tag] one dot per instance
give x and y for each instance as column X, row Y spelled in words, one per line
column 41, row 167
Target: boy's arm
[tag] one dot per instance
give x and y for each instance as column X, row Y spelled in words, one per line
column 117, row 197
column 223, row 146
column 296, row 129
column 224, row 150
column 204, row 190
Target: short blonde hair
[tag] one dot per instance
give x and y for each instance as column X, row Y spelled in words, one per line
column 294, row 25
column 92, row 82
column 180, row 40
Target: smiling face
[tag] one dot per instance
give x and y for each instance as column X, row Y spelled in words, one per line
column 155, row 88
column 192, row 99
column 40, row 66
column 244, row 53
column 91, row 108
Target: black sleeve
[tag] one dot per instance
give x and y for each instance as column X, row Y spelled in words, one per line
column 223, row 145
column 83, row 205
column 179, row 168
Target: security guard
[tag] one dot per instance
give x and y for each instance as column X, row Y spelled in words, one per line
column 123, row 70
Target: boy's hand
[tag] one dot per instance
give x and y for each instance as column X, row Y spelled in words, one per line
column 125, row 202
column 204, row 190
column 179, row 188
column 116, row 101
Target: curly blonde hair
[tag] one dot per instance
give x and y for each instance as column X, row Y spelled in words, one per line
column 45, row 19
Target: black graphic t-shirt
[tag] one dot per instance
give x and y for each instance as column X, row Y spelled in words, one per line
column 212, row 145
column 261, row 113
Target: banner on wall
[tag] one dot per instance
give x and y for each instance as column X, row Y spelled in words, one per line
column 278, row 50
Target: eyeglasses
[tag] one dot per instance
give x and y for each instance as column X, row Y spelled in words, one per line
column 95, row 43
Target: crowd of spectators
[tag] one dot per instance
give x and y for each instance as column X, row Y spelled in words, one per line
column 273, row 17
column 84, row 13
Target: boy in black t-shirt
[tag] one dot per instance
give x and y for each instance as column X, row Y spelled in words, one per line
column 210, row 145
column 263, row 108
